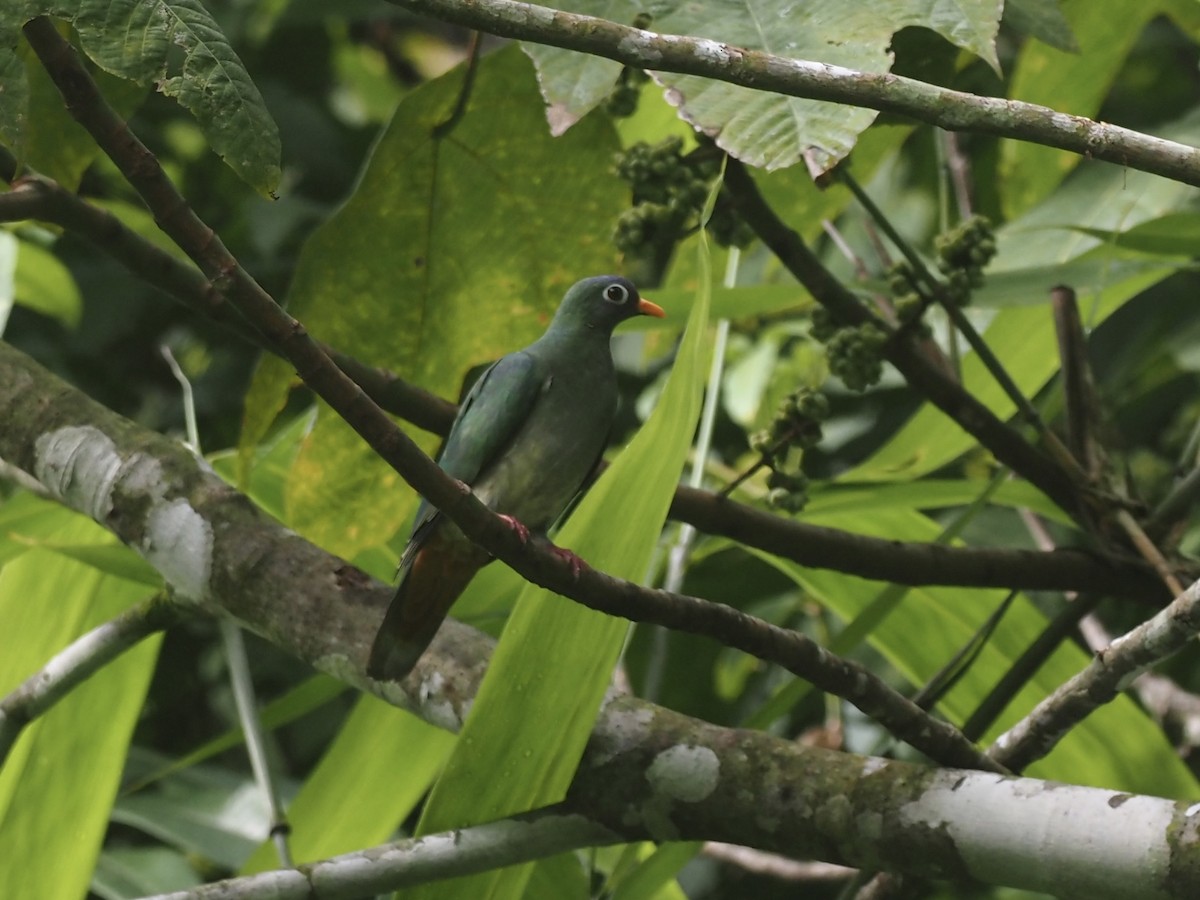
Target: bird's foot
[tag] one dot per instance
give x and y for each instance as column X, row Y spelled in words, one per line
column 572, row 559
column 517, row 526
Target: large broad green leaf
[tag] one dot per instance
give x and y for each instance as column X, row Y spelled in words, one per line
column 1117, row 746
column 66, row 766
column 1069, row 82
column 760, row 128
column 1042, row 19
column 175, row 46
column 44, row 284
column 369, row 780
column 455, row 248
column 51, row 141
column 535, row 709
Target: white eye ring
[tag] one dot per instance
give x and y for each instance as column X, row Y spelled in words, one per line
column 616, row 293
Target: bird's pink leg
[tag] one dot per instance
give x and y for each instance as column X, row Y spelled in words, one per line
column 517, row 526
column 570, row 557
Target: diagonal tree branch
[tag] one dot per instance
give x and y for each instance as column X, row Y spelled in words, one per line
column 945, row 108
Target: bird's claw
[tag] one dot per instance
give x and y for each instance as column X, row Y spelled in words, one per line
column 517, row 526
column 571, row 558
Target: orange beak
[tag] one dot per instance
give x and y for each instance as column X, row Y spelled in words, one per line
column 646, row 308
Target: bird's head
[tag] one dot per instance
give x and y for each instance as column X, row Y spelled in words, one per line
column 601, row 303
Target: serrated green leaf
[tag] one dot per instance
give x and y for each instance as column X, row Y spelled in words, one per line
column 537, row 704
column 175, row 46
column 773, row 131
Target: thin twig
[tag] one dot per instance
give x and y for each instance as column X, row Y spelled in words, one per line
column 1109, row 673
column 74, row 664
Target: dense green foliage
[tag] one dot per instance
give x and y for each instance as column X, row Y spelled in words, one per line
column 422, row 210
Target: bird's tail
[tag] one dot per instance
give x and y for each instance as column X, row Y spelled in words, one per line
column 428, row 588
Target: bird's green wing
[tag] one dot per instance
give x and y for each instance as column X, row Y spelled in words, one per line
column 495, row 408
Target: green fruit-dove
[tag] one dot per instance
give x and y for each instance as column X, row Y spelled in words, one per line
column 531, row 430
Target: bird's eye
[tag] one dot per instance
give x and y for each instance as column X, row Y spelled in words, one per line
column 615, row 293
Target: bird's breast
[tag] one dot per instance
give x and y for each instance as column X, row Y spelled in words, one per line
column 553, row 453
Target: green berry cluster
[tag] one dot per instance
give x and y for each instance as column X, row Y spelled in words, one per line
column 963, row 252
column 908, row 303
column 788, row 491
column 854, row 352
column 856, row 355
column 623, row 101
column 797, row 424
column 669, row 192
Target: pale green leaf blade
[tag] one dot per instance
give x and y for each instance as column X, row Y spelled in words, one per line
column 67, row 765
column 299, row 701
column 538, row 701
column 213, row 814
column 1175, row 234
column 44, row 284
column 127, row 872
